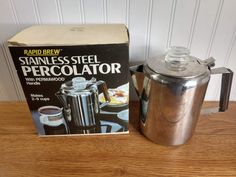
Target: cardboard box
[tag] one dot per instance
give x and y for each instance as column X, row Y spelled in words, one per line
column 75, row 78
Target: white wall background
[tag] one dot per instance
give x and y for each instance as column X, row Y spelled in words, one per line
column 207, row 27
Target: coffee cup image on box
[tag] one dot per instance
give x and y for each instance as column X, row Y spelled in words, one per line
column 52, row 119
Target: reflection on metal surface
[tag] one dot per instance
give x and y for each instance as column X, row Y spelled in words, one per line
column 170, row 107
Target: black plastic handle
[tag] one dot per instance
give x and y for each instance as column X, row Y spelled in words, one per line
column 226, row 83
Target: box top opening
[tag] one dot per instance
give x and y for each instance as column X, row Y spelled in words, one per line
column 62, row 35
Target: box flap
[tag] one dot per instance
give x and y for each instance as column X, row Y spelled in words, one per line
column 61, row 35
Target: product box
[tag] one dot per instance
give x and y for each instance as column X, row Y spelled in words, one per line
column 75, row 78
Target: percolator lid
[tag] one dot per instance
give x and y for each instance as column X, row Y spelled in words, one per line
column 177, row 63
column 77, row 86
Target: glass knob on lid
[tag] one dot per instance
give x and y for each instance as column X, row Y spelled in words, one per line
column 177, row 58
column 79, row 83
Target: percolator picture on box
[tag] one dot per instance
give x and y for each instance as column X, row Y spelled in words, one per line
column 83, row 102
